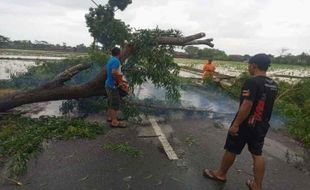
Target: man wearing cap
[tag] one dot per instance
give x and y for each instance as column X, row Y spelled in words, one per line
column 251, row 123
column 111, row 85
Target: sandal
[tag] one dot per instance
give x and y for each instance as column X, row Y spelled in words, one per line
column 249, row 183
column 209, row 174
column 117, row 126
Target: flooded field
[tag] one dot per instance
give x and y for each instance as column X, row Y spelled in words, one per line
column 13, row 67
column 232, row 68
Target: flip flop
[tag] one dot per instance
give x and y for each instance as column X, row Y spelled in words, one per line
column 249, row 184
column 209, row 174
column 118, row 126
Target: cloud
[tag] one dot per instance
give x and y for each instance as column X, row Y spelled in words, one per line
column 237, row 26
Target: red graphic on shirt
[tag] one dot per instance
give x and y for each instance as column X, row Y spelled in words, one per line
column 258, row 113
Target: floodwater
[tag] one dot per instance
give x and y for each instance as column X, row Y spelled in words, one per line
column 223, row 107
column 9, row 67
column 22, row 57
column 13, row 67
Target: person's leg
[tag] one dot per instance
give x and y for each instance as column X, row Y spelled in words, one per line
column 109, row 117
column 227, row 161
column 255, row 146
column 115, row 105
column 111, row 113
column 233, row 146
column 115, row 122
column 258, row 170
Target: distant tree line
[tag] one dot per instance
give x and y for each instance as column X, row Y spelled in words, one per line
column 190, row 51
column 216, row 54
column 302, row 59
column 5, row 42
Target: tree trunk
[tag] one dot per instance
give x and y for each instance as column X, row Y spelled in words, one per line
column 56, row 90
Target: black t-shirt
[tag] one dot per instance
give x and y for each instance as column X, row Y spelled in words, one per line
column 262, row 91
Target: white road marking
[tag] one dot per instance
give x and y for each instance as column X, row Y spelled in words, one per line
column 162, row 138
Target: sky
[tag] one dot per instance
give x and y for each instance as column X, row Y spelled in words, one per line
column 237, row 26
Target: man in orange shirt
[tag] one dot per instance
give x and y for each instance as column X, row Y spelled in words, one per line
column 208, row 69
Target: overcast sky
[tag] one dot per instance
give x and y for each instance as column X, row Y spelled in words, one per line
column 237, row 26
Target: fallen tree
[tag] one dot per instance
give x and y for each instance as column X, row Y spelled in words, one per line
column 58, row 90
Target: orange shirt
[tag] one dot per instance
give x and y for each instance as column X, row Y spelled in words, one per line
column 208, row 69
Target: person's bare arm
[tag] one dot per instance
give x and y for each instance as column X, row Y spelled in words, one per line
column 243, row 113
column 115, row 73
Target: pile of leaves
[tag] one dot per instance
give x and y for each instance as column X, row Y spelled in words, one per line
column 21, row 138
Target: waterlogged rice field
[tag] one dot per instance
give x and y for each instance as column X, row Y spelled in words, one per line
column 234, row 68
column 19, row 52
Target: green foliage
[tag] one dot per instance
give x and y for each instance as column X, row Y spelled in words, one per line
column 124, row 148
column 4, row 41
column 85, row 105
column 154, row 62
column 120, row 4
column 206, row 53
column 237, row 85
column 21, row 138
column 302, row 59
column 104, row 27
column 294, row 104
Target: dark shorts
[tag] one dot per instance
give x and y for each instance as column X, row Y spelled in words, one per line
column 252, row 136
column 113, row 98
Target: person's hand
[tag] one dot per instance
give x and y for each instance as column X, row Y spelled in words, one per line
column 233, row 130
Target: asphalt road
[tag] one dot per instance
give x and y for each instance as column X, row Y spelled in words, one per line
column 85, row 165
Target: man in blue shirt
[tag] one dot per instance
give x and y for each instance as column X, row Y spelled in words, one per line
column 113, row 76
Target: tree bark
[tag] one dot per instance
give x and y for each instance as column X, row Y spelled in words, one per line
column 57, row 90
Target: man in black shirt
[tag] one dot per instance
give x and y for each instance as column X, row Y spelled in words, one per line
column 251, row 122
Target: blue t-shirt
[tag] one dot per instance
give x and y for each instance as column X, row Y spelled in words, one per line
column 113, row 63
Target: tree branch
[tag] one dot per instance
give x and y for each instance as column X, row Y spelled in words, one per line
column 66, row 75
column 56, row 90
column 207, row 42
column 184, row 41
